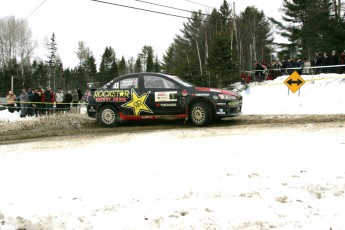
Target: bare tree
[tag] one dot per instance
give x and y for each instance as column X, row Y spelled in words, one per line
column 83, row 52
column 16, row 43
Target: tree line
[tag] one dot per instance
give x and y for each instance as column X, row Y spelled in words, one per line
column 211, row 49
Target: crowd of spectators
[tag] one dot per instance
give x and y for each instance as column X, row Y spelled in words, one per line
column 45, row 102
column 320, row 63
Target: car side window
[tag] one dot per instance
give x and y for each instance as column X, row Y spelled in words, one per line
column 128, row 83
column 155, row 82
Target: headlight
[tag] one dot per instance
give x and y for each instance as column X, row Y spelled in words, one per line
column 226, row 97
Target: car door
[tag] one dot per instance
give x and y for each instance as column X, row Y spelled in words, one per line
column 164, row 97
column 128, row 95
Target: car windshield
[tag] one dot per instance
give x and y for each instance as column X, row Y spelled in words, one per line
column 179, row 80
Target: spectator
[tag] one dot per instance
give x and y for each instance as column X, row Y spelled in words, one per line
column 292, row 66
column 75, row 99
column 86, row 95
column 277, row 68
column 52, row 100
column 300, row 65
column 285, row 65
column 37, row 103
column 11, row 99
column 68, row 100
column 24, row 100
column 30, row 109
column 307, row 65
column 318, row 59
column 259, row 71
column 43, row 105
column 47, row 101
column 342, row 61
column 80, row 94
column 59, row 96
column 334, row 61
column 326, row 62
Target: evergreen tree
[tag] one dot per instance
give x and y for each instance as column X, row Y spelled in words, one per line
column 108, row 69
column 310, row 26
column 137, row 65
column 131, row 65
column 52, row 61
column 91, row 69
column 157, row 66
column 149, row 63
column 122, row 66
column 220, row 63
column 39, row 74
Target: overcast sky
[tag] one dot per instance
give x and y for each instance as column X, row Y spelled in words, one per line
column 100, row 25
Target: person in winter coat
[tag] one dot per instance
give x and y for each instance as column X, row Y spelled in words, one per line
column 47, row 101
column 30, row 109
column 307, row 65
column 75, row 99
column 67, row 100
column 37, row 103
column 11, row 99
column 24, row 101
column 334, row 61
column 59, row 96
column 259, row 71
column 52, row 100
column 80, row 94
column 86, row 96
column 342, row 61
column 326, row 62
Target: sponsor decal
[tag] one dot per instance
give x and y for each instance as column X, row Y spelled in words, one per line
column 138, row 103
column 220, row 111
column 233, row 103
column 158, row 105
column 166, row 96
column 184, row 93
column 111, row 95
column 201, row 95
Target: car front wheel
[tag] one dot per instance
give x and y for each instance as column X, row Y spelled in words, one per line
column 200, row 114
column 108, row 116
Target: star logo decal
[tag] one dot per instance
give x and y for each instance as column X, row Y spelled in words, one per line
column 138, row 103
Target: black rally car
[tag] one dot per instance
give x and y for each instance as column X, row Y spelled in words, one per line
column 143, row 96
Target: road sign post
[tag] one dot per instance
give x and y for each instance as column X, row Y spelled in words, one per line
column 294, row 82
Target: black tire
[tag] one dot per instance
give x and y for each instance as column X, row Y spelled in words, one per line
column 108, row 116
column 200, row 114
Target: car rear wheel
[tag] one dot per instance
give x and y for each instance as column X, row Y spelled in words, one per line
column 200, row 114
column 108, row 116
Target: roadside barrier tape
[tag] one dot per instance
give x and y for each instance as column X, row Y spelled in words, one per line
column 272, row 83
column 49, row 103
column 42, row 105
column 295, row 68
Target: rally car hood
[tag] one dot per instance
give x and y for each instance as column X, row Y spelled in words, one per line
column 204, row 89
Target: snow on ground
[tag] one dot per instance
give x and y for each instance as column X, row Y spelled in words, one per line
column 321, row 94
column 202, row 178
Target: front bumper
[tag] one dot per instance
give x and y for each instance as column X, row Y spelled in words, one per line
column 228, row 108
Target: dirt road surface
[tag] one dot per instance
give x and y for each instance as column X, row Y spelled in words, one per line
column 81, row 125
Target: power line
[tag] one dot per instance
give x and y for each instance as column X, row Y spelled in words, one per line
column 35, row 9
column 170, row 7
column 150, row 11
column 200, row 4
column 136, row 8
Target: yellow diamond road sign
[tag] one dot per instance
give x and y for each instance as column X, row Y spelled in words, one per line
column 294, row 81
